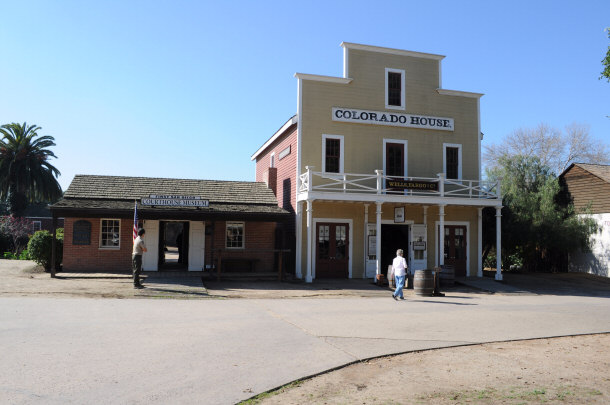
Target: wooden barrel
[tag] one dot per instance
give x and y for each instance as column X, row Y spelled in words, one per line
column 423, row 283
column 448, row 275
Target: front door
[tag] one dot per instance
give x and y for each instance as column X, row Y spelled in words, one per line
column 332, row 250
column 455, row 248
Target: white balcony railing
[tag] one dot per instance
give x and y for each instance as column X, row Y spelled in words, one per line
column 378, row 183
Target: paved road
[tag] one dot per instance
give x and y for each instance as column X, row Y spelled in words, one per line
column 74, row 350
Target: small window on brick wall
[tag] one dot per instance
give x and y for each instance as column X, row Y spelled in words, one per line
column 235, row 235
column 36, row 226
column 110, row 233
column 81, row 233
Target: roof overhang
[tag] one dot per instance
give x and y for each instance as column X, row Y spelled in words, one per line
column 292, row 121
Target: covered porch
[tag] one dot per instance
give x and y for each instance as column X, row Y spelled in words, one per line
column 429, row 201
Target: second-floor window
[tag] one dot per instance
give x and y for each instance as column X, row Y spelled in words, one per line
column 332, row 153
column 394, row 80
column 395, row 89
column 395, row 159
column 453, row 161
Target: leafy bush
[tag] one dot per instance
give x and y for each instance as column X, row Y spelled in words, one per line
column 24, row 255
column 39, row 249
column 10, row 256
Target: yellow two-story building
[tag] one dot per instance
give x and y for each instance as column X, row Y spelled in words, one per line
column 380, row 159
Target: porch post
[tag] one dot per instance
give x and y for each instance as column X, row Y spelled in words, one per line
column 366, row 236
column 480, row 243
column 299, row 241
column 53, row 245
column 308, row 276
column 499, row 243
column 441, row 236
column 378, row 239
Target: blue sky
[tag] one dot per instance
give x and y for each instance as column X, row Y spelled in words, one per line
column 190, row 89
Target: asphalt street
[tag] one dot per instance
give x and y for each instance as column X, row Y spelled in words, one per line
column 136, row 351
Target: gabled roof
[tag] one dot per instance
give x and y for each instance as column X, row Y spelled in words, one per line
column 601, row 171
column 291, row 121
column 131, row 188
column 104, row 195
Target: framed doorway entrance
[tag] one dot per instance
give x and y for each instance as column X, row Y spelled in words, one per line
column 456, row 248
column 173, row 245
column 393, row 237
column 332, row 250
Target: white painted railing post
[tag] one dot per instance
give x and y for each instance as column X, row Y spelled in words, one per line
column 499, row 188
column 344, row 182
column 441, row 184
column 309, row 177
column 379, row 175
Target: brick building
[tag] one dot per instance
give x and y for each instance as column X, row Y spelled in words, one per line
column 379, row 159
column 190, row 224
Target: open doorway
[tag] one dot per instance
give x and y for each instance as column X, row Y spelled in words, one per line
column 173, row 245
column 393, row 237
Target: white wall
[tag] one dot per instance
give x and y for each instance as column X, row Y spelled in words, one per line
column 598, row 260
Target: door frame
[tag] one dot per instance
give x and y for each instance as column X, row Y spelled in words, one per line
column 314, row 242
column 437, row 247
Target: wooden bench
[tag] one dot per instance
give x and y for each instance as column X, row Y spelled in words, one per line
column 231, row 262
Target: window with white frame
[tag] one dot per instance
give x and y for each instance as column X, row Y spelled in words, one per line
column 235, row 235
column 110, row 233
column 452, row 161
column 36, row 226
column 332, row 153
column 394, row 89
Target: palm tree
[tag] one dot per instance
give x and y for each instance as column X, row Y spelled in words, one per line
column 25, row 172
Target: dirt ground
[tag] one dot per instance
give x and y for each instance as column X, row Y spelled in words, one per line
column 567, row 370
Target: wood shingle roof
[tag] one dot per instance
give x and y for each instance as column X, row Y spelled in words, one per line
column 96, row 195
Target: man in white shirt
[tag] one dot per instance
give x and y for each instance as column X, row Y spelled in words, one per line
column 136, row 257
column 399, row 265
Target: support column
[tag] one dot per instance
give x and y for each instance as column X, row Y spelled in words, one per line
column 366, row 236
column 308, row 275
column 441, row 236
column 499, row 243
column 299, row 241
column 378, row 239
column 53, row 246
column 425, row 215
column 480, row 243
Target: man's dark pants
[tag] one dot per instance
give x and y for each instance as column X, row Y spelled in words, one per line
column 136, row 264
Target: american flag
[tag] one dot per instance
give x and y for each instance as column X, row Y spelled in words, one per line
column 135, row 222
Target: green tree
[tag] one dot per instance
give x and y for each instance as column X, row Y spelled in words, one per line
column 26, row 175
column 538, row 229
column 606, row 62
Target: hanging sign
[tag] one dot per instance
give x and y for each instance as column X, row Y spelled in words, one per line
column 399, row 215
column 402, row 184
column 175, row 201
column 392, row 119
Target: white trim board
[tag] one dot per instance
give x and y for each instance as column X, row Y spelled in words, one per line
column 350, row 222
